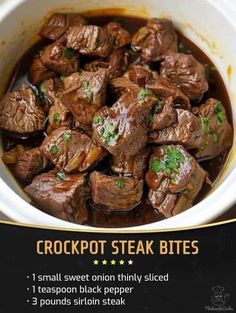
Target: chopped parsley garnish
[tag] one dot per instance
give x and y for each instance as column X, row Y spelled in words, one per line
column 220, row 113
column 62, row 78
column 97, row 119
column 158, row 105
column 174, row 158
column 143, row 93
column 61, row 176
column 86, row 87
column 215, row 137
column 54, row 150
column 157, row 166
column 108, row 133
column 67, row 137
column 42, row 90
column 56, row 118
column 205, row 124
column 69, row 53
column 85, row 84
column 120, row 183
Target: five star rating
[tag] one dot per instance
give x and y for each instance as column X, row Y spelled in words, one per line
column 113, row 262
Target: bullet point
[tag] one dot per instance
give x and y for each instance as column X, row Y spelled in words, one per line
column 28, row 289
column 27, row 276
column 28, row 301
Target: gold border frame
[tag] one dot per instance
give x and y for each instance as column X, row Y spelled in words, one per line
column 111, row 231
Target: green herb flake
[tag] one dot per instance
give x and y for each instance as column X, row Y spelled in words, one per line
column 120, row 183
column 67, row 137
column 61, row 176
column 143, row 93
column 62, row 78
column 42, row 89
column 98, row 120
column 174, row 158
column 90, row 96
column 220, row 113
column 53, row 150
column 69, row 53
column 215, row 137
column 205, row 124
column 56, row 118
column 158, row 105
column 85, row 84
column 157, row 166
column 86, row 87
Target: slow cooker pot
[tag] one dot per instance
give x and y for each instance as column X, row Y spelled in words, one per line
column 209, row 24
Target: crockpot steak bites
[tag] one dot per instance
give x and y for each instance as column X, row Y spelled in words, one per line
column 114, row 119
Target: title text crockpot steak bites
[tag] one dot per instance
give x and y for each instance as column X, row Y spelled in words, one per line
column 121, row 121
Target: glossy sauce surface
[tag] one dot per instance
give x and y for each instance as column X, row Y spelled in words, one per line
column 143, row 213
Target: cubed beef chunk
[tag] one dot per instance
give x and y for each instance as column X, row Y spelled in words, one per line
column 116, row 193
column 184, row 71
column 58, row 116
column 20, row 112
column 120, row 36
column 122, row 128
column 84, row 94
column 217, row 132
column 155, row 40
column 117, row 63
column 61, row 195
column 174, row 179
column 11, row 156
column 39, row 72
column 186, row 130
column 89, row 40
column 71, row 151
column 144, row 77
column 163, row 114
column 59, row 23
column 30, row 164
column 131, row 166
column 59, row 59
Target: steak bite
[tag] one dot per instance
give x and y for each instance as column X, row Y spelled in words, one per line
column 131, row 166
column 122, row 128
column 59, row 59
column 71, row 151
column 163, row 114
column 39, row 72
column 120, row 36
column 184, row 71
column 142, row 76
column 155, row 40
column 61, row 195
column 217, row 132
column 117, row 63
column 89, row 40
column 59, row 23
column 30, row 164
column 186, row 130
column 116, row 193
column 20, row 112
column 174, row 179
column 84, row 94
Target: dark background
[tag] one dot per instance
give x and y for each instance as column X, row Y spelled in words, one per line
column 191, row 277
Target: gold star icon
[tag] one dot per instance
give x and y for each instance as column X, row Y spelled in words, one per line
column 104, row 262
column 130, row 262
column 122, row 262
column 95, row 262
column 113, row 262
